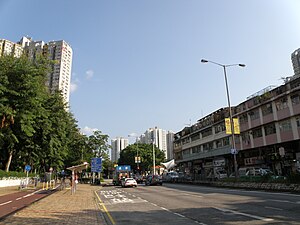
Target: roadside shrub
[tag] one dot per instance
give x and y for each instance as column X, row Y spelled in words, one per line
column 294, row 178
column 13, row 175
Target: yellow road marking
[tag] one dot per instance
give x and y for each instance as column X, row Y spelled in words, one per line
column 105, row 209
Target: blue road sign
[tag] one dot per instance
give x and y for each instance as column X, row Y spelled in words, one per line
column 96, row 165
column 234, row 151
column 123, row 168
column 27, row 168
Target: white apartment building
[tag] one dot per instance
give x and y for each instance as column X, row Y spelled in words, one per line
column 60, row 51
column 170, row 148
column 117, row 144
column 158, row 136
column 9, row 47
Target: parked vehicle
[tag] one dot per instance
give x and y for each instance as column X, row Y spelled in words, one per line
column 259, row 172
column 217, row 174
column 128, row 182
column 183, row 177
column 139, row 178
column 171, row 176
column 153, row 180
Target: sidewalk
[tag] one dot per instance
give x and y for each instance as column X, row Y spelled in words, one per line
column 62, row 208
column 8, row 190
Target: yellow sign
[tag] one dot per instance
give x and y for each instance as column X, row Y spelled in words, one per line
column 235, row 124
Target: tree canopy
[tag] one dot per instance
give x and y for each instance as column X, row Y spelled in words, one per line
column 145, row 151
column 36, row 127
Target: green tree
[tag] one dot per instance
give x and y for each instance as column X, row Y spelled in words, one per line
column 35, row 126
column 145, row 151
column 98, row 144
column 21, row 95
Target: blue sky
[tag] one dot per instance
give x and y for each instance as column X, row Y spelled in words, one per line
column 136, row 63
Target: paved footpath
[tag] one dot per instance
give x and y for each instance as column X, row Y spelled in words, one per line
column 63, row 208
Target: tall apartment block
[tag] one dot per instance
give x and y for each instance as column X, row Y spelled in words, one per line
column 117, row 144
column 10, row 48
column 170, row 149
column 296, row 61
column 157, row 136
column 60, row 51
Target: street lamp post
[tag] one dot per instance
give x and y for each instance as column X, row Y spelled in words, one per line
column 153, row 150
column 229, row 106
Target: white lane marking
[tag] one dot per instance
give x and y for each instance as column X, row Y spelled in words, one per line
column 19, row 198
column 198, row 196
column 245, row 214
column 268, row 207
column 173, row 212
column 283, row 201
column 28, row 195
column 165, row 209
column 4, row 203
column 200, row 223
column 179, row 215
column 245, row 191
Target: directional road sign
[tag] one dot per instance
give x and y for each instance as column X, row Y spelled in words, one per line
column 27, row 168
column 96, row 165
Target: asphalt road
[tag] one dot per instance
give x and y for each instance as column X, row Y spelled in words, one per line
column 178, row 204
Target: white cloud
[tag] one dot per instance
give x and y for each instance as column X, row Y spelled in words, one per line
column 73, row 87
column 74, row 83
column 88, row 130
column 89, row 74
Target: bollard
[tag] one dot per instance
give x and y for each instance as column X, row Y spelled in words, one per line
column 47, row 185
column 43, row 185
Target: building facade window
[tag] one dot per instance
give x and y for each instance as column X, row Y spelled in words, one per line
column 219, row 127
column 267, row 109
column 270, row 129
column 226, row 141
column 196, row 149
column 195, row 137
column 281, row 104
column 285, row 125
column 298, row 122
column 243, row 118
column 219, row 143
column 206, row 132
column 207, row 146
column 254, row 114
column 256, row 133
column 295, row 99
column 245, row 137
column 186, row 152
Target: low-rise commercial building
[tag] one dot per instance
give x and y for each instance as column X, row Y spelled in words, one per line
column 269, row 135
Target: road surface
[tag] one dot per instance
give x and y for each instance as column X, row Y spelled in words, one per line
column 179, row 204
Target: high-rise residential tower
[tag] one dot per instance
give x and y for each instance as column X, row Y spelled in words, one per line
column 158, row 136
column 296, row 61
column 170, row 148
column 117, row 144
column 10, row 48
column 60, row 51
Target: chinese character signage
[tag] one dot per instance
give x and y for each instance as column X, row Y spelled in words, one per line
column 235, row 124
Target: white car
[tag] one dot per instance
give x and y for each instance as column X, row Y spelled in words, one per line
column 129, row 182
